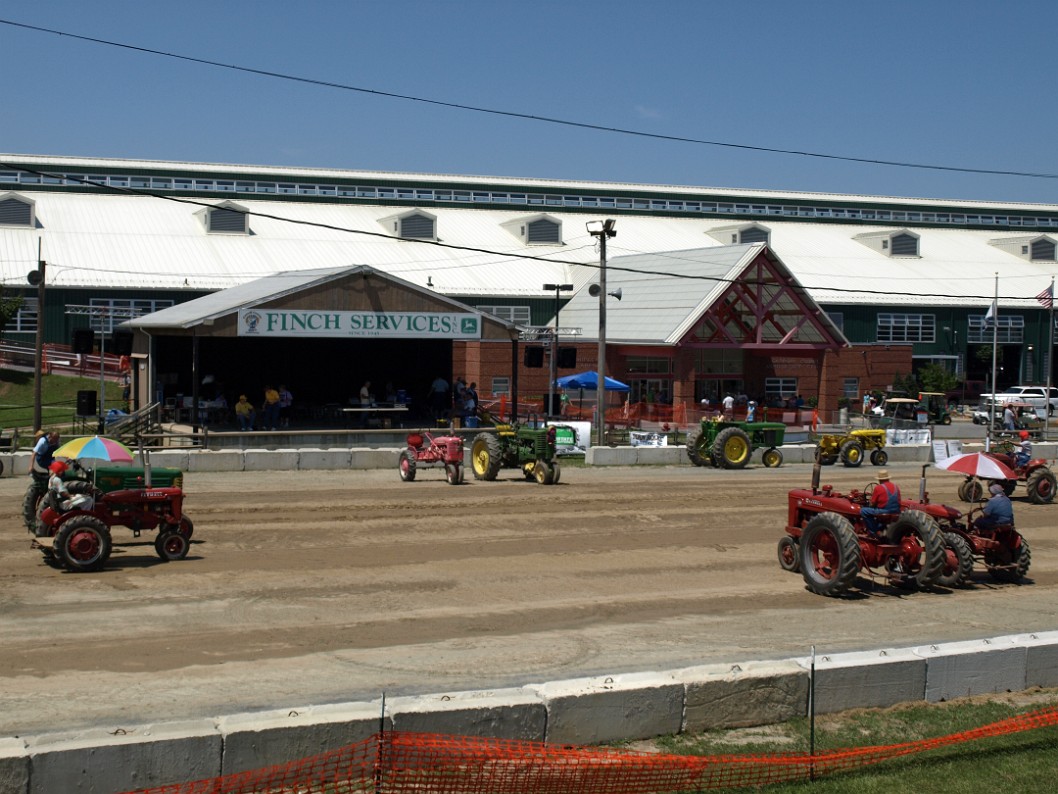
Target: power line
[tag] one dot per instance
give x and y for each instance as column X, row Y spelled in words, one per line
column 473, row 249
column 534, row 117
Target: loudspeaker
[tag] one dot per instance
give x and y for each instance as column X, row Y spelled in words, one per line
column 556, row 405
column 84, row 340
column 567, row 357
column 534, row 357
column 86, row 403
column 122, row 343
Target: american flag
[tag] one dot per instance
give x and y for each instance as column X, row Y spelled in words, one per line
column 1047, row 297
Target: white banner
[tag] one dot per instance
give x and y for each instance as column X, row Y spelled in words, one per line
column 361, row 325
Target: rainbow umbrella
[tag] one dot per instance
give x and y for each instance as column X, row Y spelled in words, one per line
column 95, row 448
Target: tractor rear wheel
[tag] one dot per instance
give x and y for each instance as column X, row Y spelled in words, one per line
column 958, row 561
column 1040, row 486
column 34, row 493
column 922, row 548
column 406, row 465
column 732, row 448
column 697, row 449
column 83, row 544
column 879, row 457
column 485, row 456
column 852, row 454
column 171, row 546
column 453, row 473
column 789, row 555
column 971, row 490
column 543, row 473
column 1010, row 565
column 771, row 458
column 830, row 555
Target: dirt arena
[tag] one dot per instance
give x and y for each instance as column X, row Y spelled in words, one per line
column 311, row 587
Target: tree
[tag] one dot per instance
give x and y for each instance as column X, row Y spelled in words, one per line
column 934, row 377
column 9, row 306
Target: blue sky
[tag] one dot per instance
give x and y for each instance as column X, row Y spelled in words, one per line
column 964, row 84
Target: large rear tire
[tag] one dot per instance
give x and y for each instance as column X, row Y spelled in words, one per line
column 406, row 465
column 830, row 555
column 1010, row 565
column 34, row 493
column 852, row 454
column 697, row 450
column 922, row 548
column 958, row 561
column 732, row 448
column 83, row 544
column 485, row 456
column 1041, row 486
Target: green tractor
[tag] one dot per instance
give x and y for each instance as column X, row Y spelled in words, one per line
column 531, row 449
column 729, row 445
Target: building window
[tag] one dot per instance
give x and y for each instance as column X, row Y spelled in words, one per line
column 648, row 365
column 850, row 387
column 780, row 387
column 501, row 386
column 520, row 315
column 25, row 319
column 906, row 328
column 1009, row 330
column 112, row 312
column 838, row 318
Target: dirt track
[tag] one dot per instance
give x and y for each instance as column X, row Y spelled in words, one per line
column 307, row 587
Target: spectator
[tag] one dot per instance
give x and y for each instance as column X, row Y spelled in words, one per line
column 751, row 411
column 286, row 403
column 1008, row 417
column 470, row 405
column 270, row 409
column 244, row 413
column 438, row 397
column 729, row 407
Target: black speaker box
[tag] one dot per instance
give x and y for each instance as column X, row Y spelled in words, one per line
column 567, row 358
column 122, row 343
column 534, row 357
column 84, row 340
column 86, row 403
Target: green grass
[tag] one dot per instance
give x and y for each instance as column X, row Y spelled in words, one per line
column 1022, row 762
column 58, row 401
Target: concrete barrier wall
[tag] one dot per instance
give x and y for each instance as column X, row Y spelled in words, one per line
column 578, row 711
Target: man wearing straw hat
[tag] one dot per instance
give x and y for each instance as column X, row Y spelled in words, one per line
column 885, row 501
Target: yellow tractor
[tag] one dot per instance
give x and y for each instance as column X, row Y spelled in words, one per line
column 850, row 448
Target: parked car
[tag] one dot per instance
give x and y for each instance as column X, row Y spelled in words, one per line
column 1027, row 417
column 1033, row 395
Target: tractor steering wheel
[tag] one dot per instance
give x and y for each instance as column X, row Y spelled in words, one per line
column 868, row 489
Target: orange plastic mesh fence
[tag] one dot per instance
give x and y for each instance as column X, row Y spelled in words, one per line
column 398, row 762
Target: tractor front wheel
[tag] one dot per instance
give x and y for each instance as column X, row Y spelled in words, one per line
column 1041, row 486
column 772, row 458
column 921, row 548
column 556, row 473
column 171, row 546
column 958, row 561
column 851, row 454
column 789, row 555
column 879, row 457
column 83, row 544
column 830, row 555
column 732, row 448
column 697, row 449
column 543, row 474
column 406, row 465
column 485, row 456
column 453, row 473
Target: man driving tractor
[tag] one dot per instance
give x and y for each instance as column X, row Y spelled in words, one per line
column 1024, row 453
column 884, row 501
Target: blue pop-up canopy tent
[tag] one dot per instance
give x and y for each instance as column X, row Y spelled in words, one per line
column 589, row 381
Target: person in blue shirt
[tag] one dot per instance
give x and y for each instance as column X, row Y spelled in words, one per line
column 998, row 510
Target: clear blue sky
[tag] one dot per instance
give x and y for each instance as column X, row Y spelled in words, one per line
column 965, row 84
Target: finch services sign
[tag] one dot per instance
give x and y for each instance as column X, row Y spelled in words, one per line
column 359, row 325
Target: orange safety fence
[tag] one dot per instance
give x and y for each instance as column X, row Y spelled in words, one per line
column 396, row 762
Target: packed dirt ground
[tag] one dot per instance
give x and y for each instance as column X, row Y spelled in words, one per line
column 312, row 587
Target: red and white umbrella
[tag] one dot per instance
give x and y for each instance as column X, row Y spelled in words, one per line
column 977, row 464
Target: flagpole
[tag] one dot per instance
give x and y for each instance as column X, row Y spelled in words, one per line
column 995, row 343
column 1050, row 365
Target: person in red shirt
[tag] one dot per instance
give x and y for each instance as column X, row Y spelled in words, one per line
column 885, row 501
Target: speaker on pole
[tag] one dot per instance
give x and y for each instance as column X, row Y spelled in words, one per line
column 122, row 343
column 567, row 357
column 84, row 340
column 86, row 403
column 534, row 357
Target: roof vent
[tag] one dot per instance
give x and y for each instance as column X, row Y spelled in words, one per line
column 902, row 243
column 741, row 234
column 1041, row 248
column 536, row 230
column 16, row 211
column 415, row 225
column 226, row 218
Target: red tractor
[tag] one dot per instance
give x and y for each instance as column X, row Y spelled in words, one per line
column 1039, row 480
column 429, row 451
column 76, row 535
column 828, row 542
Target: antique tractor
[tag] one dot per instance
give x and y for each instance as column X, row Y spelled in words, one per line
column 530, row 448
column 76, row 535
column 851, row 447
column 828, row 542
column 730, row 445
column 427, row 451
column 1039, row 480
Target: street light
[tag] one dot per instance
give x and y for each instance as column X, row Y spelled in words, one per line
column 603, row 230
column 558, row 288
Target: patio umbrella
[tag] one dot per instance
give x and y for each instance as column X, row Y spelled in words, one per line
column 977, row 464
column 95, row 448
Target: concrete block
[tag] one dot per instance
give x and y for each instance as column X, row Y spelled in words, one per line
column 256, row 740
column 973, row 667
column 741, row 695
column 175, row 458
column 867, row 679
column 612, row 708
column 270, row 460
column 502, row 714
column 374, row 459
column 661, row 456
column 104, row 761
column 1041, row 658
column 610, row 456
column 20, row 463
column 319, row 459
column 14, row 767
column 221, row 460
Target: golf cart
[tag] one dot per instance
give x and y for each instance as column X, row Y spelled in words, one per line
column 899, row 413
column 936, row 405
column 1025, row 417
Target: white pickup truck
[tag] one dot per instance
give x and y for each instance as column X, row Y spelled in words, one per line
column 1036, row 396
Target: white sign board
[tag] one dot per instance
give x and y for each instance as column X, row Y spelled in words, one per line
column 575, row 442
column 360, row 325
column 643, row 439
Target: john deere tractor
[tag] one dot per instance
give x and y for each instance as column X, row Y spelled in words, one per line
column 730, row 445
column 528, row 448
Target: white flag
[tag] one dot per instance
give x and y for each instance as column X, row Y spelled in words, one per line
column 990, row 317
